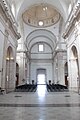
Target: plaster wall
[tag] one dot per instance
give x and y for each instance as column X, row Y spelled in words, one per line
column 73, row 40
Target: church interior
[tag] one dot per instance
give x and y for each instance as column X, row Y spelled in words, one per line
column 40, row 60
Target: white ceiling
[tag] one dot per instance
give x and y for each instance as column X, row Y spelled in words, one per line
column 49, row 34
column 60, row 5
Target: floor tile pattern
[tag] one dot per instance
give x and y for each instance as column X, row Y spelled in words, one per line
column 31, row 106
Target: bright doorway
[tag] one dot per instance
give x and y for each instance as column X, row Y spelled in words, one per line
column 41, row 79
column 41, row 84
column 41, row 76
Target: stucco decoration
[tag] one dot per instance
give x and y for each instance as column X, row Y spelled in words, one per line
column 41, row 15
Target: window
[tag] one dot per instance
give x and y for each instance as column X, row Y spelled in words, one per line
column 41, row 48
column 69, row 9
column 13, row 9
column 40, row 23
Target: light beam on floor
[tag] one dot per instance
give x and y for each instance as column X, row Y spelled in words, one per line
column 41, row 87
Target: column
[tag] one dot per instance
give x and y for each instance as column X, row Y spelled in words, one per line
column 4, row 59
column 28, row 72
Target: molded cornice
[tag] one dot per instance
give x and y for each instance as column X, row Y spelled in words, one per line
column 8, row 17
column 73, row 17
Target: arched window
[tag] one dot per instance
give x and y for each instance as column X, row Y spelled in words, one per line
column 69, row 9
column 13, row 9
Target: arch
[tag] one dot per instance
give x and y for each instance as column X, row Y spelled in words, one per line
column 41, row 43
column 32, row 38
column 74, row 51
column 17, row 74
column 35, row 39
column 66, row 73
column 74, row 67
column 75, row 56
column 9, row 55
column 9, row 79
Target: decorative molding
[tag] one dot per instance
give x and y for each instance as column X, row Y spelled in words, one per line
column 41, row 15
column 8, row 17
column 73, row 17
column 41, row 60
column 58, row 51
column 50, row 53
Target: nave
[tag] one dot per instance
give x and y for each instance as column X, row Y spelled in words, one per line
column 39, row 38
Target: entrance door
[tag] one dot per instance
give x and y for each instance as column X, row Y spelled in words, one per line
column 41, row 76
column 41, row 82
column 41, row 79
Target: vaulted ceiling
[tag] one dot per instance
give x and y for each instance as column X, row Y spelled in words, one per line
column 60, row 5
column 43, row 12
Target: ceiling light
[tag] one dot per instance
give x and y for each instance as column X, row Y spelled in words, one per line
column 44, row 8
column 7, row 58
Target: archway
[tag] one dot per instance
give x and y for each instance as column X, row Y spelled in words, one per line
column 66, row 73
column 17, row 74
column 9, row 69
column 74, row 68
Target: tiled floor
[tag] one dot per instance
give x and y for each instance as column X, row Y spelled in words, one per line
column 40, row 106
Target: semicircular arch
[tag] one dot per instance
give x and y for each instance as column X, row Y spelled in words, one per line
column 50, row 38
column 41, row 43
column 10, row 53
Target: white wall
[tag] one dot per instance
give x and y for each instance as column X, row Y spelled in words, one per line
column 7, row 39
column 73, row 40
column 41, row 60
column 46, row 54
column 59, row 67
column 20, row 59
column 54, row 29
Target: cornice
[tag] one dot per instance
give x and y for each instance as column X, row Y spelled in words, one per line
column 73, row 17
column 59, row 51
column 9, row 19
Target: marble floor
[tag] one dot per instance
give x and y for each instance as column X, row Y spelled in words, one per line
column 40, row 105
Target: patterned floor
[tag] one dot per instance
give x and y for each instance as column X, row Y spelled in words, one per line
column 35, row 106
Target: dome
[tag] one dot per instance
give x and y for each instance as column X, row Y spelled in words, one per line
column 41, row 15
